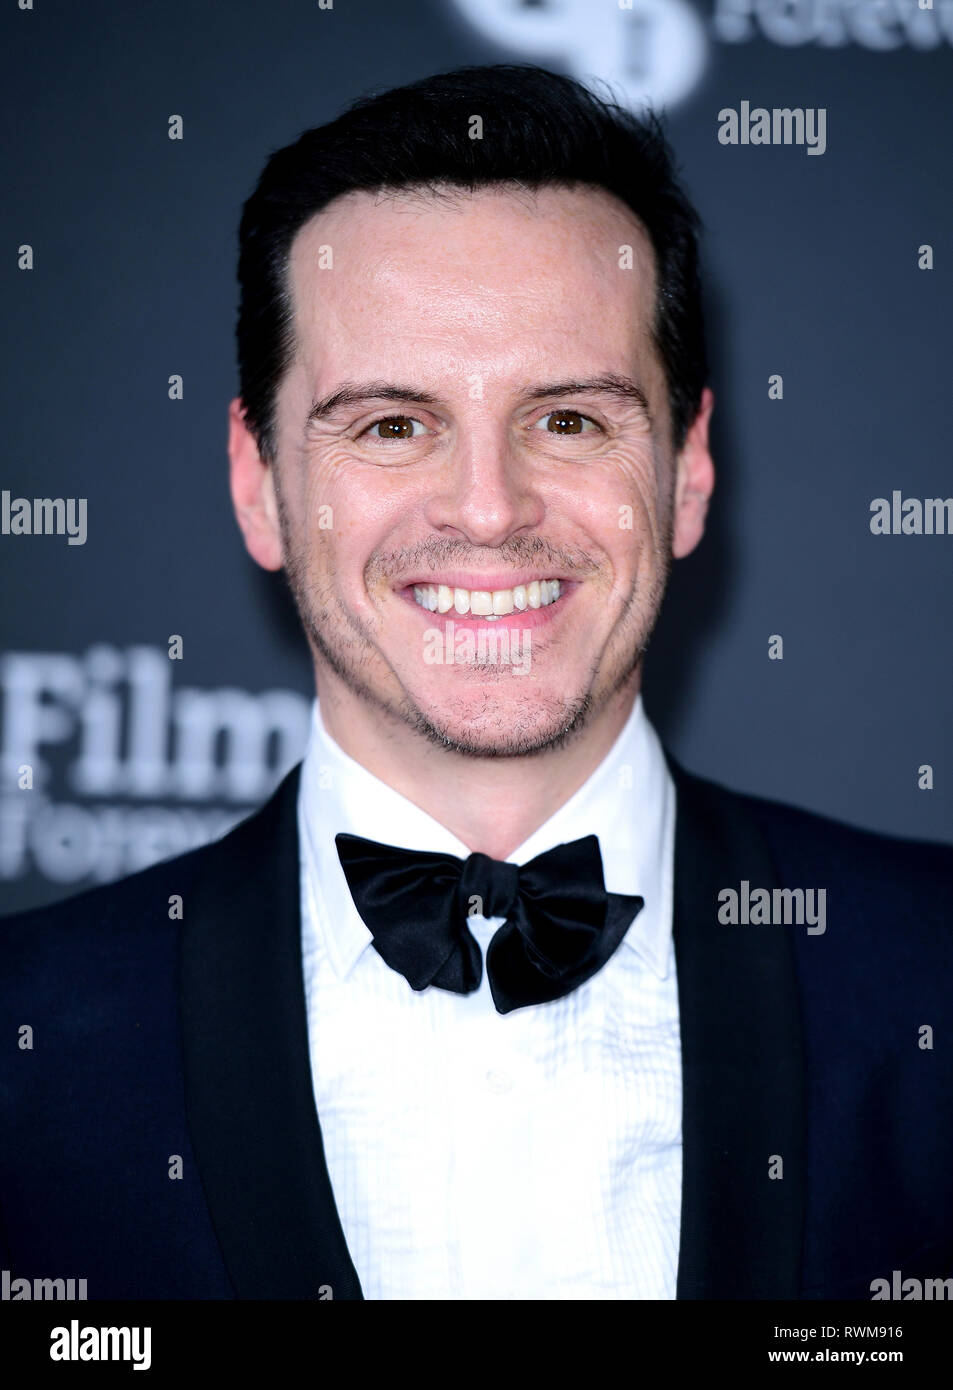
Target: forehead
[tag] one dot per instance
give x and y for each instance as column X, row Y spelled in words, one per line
column 502, row 280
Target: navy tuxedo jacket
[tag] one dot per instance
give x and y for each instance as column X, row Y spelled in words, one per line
column 154, row 1038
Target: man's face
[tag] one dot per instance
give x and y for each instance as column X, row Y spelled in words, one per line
column 475, row 487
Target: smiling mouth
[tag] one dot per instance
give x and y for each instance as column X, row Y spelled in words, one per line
column 490, row 604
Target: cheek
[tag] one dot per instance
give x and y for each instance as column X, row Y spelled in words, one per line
column 357, row 489
column 616, row 502
column 351, row 513
column 650, row 504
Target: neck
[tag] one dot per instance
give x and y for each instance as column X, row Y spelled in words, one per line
column 491, row 804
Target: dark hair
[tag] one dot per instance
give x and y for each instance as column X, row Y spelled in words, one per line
column 540, row 128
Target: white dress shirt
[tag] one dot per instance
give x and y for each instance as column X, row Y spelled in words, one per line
column 477, row 1155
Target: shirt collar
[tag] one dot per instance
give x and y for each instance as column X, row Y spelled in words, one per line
column 628, row 802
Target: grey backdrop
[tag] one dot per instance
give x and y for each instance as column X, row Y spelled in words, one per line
column 812, row 273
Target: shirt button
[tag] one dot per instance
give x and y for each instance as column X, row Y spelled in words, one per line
column 499, row 1082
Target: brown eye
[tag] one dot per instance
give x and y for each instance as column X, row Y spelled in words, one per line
column 565, row 422
column 395, row 427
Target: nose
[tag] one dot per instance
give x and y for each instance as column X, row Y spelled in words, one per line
column 488, row 494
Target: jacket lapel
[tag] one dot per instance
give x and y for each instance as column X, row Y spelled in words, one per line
column 742, row 1075
column 249, row 1095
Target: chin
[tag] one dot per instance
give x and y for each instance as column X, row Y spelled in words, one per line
column 491, row 722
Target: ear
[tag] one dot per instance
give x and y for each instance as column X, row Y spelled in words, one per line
column 694, row 482
column 252, row 485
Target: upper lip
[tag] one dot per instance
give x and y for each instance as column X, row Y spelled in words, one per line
column 456, row 579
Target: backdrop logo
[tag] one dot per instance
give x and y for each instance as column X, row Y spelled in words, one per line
column 106, row 768
column 651, row 51
column 879, row 25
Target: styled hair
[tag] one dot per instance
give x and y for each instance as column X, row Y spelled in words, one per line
column 539, row 129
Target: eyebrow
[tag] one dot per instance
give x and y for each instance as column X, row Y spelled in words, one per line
column 352, row 393
column 609, row 384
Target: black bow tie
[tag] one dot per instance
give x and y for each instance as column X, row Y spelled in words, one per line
column 561, row 925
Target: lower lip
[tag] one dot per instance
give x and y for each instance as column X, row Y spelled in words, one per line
column 516, row 621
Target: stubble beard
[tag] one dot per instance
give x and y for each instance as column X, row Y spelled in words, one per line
column 517, row 734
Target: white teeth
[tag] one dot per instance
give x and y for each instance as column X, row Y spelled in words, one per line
column 426, row 596
column 484, row 603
